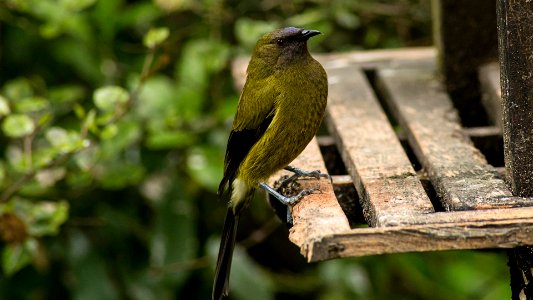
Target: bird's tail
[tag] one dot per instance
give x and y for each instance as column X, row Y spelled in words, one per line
column 225, row 253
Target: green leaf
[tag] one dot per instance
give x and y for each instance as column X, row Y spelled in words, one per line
column 41, row 218
column 18, row 125
column 107, row 98
column 90, row 121
column 43, row 156
column 201, row 58
column 18, row 89
column 65, row 141
column 109, row 132
column 128, row 133
column 17, row 256
column 44, row 118
column 4, row 106
column 31, row 104
column 155, row 37
column 79, row 111
column 46, row 217
column 66, row 94
column 157, row 98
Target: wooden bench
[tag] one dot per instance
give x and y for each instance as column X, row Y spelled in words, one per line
column 405, row 134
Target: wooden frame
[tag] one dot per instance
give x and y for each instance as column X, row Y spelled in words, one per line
column 479, row 210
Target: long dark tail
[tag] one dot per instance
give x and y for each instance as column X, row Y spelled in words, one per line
column 225, row 253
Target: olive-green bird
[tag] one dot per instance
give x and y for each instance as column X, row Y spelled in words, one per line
column 280, row 109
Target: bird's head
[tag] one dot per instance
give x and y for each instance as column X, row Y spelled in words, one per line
column 283, row 46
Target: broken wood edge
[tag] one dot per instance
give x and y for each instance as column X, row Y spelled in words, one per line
column 319, row 213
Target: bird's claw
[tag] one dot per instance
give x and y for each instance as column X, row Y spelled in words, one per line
column 301, row 173
column 291, row 201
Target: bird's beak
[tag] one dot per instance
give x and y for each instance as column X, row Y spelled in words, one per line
column 306, row 34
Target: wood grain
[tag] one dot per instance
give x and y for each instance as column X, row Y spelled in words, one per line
column 515, row 34
column 500, row 234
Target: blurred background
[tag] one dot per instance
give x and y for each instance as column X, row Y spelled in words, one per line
column 114, row 117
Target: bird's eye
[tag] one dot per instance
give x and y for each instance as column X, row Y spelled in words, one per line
column 280, row 42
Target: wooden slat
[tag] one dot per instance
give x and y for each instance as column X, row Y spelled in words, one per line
column 388, row 187
column 458, row 171
column 491, row 95
column 499, row 233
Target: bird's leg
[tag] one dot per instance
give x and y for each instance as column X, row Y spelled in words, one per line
column 288, row 201
column 301, row 173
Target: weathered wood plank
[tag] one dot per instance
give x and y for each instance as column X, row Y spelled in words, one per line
column 458, row 171
column 491, row 96
column 506, row 233
column 387, row 184
column 516, row 62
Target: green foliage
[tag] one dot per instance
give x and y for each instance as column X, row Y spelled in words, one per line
column 155, row 36
column 114, row 116
column 22, row 222
column 17, row 125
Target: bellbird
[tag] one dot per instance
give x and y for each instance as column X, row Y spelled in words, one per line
column 280, row 109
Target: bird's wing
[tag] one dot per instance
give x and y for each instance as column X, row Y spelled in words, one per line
column 254, row 114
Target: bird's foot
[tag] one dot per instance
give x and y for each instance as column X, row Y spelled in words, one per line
column 300, row 173
column 288, row 201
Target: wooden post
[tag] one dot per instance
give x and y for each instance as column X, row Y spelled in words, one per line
column 465, row 35
column 516, row 67
column 515, row 37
